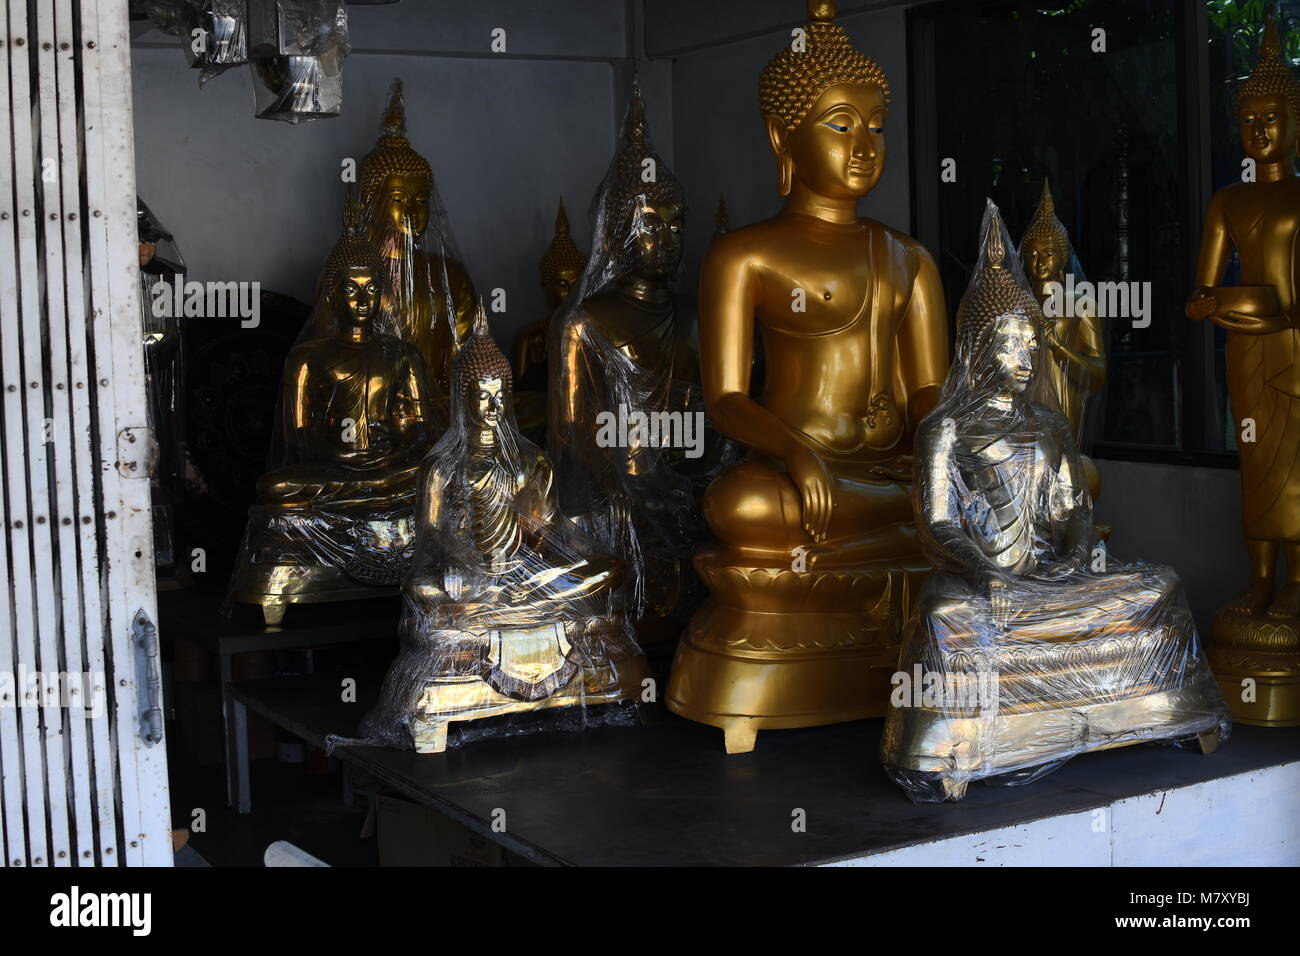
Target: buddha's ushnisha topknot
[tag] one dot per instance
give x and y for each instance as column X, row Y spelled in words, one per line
column 1272, row 75
column 995, row 289
column 628, row 180
column 481, row 358
column 792, row 81
column 354, row 247
column 563, row 253
column 392, row 154
column 1045, row 227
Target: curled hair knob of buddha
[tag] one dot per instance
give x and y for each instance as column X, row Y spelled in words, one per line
column 392, row 154
column 1045, row 227
column 480, row 358
column 996, row 287
column 628, row 180
column 354, row 248
column 793, row 79
column 1272, row 74
column 563, row 253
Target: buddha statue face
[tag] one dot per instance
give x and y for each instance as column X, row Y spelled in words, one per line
column 403, row 204
column 1043, row 260
column 485, row 400
column 657, row 239
column 1015, row 344
column 1268, row 127
column 356, row 295
column 838, row 149
column 561, row 285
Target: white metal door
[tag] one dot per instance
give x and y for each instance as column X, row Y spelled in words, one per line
column 83, row 773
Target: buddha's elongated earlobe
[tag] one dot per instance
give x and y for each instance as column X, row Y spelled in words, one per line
column 779, row 140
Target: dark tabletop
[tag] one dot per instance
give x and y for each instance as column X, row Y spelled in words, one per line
column 665, row 793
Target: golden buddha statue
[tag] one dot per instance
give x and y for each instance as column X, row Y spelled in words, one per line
column 1019, row 655
column 1077, row 369
column 623, row 351
column 817, row 555
column 429, row 299
column 1256, row 653
column 506, row 612
column 561, row 270
column 334, row 519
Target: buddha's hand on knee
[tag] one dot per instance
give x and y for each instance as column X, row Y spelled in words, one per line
column 816, row 489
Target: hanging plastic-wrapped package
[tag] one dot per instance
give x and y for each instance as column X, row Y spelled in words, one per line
column 215, row 35
column 363, row 400
column 1028, row 645
column 627, row 426
column 297, row 49
column 509, row 610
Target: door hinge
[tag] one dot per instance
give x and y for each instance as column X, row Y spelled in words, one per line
column 137, row 453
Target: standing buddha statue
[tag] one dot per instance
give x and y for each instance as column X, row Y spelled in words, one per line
column 623, row 350
column 561, row 269
column 1256, row 654
column 817, row 557
column 1077, row 369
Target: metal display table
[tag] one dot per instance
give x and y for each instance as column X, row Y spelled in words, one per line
column 664, row 793
column 196, row 617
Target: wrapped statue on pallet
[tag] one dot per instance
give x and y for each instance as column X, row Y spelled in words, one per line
column 509, row 611
column 1026, row 646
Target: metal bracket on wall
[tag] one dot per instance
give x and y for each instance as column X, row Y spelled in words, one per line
column 137, row 453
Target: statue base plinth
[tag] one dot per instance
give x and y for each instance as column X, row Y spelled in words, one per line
column 1257, row 658
column 300, row 558
column 758, row 656
column 502, row 671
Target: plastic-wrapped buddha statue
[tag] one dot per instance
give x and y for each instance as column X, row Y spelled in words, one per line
column 429, row 299
column 1077, row 369
column 817, row 556
column 561, row 270
column 508, row 610
column 1026, row 648
column 625, row 418
column 334, row 518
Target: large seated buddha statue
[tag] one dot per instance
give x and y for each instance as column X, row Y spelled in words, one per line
column 1076, row 367
column 1024, row 650
column 625, row 404
column 508, row 610
column 335, row 514
column 429, row 299
column 817, row 556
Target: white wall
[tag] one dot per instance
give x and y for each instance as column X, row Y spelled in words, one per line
column 506, row 135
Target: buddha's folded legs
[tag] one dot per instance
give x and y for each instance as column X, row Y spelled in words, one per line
column 754, row 506
column 298, row 488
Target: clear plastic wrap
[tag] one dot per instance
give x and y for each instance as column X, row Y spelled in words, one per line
column 297, row 49
column 626, row 418
column 509, row 610
column 215, row 35
column 1028, row 644
column 364, row 396
column 164, row 365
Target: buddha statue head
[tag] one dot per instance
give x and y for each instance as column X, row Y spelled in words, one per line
column 1268, row 103
column 396, row 181
column 562, row 265
column 354, row 272
column 484, row 380
column 645, row 202
column 1045, row 247
column 824, row 104
column 998, row 321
